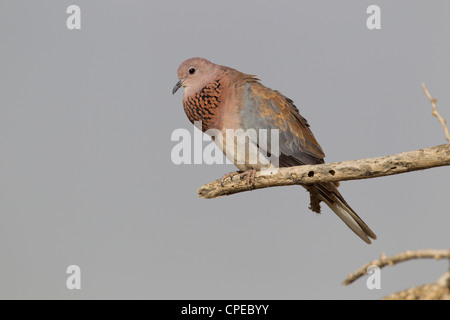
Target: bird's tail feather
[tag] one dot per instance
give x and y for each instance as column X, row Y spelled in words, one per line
column 329, row 194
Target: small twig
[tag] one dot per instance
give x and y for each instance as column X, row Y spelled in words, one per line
column 404, row 256
column 435, row 112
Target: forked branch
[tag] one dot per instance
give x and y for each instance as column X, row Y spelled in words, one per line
column 338, row 171
column 390, row 261
column 435, row 112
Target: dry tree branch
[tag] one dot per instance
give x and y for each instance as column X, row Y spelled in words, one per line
column 440, row 290
column 404, row 256
column 435, row 112
column 338, row 171
column 341, row 171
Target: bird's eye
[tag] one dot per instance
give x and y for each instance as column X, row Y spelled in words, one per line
column 191, row 70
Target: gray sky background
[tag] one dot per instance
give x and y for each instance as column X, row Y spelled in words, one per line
column 85, row 171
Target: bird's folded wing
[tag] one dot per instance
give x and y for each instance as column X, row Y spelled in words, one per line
column 263, row 108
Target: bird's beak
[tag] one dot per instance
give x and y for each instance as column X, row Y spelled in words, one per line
column 177, row 86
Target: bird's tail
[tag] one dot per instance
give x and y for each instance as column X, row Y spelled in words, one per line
column 328, row 193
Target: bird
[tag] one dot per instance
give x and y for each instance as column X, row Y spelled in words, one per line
column 223, row 99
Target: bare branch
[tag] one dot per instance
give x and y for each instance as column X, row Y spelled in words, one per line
column 431, row 291
column 404, row 256
column 338, row 171
column 435, row 112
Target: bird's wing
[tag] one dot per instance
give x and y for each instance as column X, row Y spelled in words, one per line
column 263, row 108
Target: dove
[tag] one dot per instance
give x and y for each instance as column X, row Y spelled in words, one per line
column 224, row 99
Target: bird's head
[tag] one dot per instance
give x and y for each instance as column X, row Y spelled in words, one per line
column 194, row 74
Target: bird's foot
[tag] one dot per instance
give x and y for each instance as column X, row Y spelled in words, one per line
column 250, row 177
column 249, row 174
column 229, row 175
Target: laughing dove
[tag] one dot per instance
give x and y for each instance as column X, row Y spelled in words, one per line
column 223, row 98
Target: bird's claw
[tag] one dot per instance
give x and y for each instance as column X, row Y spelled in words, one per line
column 249, row 174
column 250, row 177
column 229, row 175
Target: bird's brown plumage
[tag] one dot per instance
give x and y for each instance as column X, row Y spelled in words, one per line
column 224, row 98
column 204, row 105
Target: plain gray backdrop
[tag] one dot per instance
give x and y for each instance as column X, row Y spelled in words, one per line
column 86, row 176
